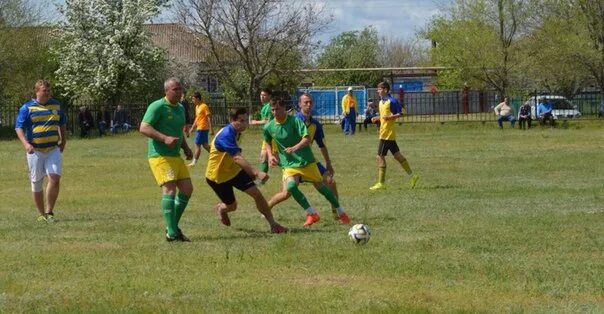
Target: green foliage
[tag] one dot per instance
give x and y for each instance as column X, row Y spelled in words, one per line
column 480, row 38
column 493, row 226
column 356, row 49
column 24, row 50
column 104, row 52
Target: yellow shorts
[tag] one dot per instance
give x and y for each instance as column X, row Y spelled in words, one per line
column 168, row 168
column 274, row 147
column 308, row 173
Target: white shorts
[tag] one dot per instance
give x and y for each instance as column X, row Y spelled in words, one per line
column 43, row 164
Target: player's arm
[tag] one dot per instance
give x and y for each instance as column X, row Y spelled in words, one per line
column 62, row 137
column 258, row 122
column 251, row 171
column 149, row 131
column 21, row 135
column 305, row 141
column 328, row 165
column 186, row 149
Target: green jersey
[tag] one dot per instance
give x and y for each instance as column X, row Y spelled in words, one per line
column 169, row 120
column 265, row 112
column 288, row 134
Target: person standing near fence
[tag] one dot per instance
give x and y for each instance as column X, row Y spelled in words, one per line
column 103, row 120
column 350, row 110
column 202, row 126
column 163, row 123
column 390, row 110
column 40, row 126
column 265, row 116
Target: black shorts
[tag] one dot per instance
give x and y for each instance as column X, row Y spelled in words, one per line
column 387, row 145
column 242, row 181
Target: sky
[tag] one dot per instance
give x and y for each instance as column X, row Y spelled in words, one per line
column 396, row 19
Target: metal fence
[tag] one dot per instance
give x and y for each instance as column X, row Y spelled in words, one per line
column 443, row 106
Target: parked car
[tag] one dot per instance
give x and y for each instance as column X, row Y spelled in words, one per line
column 562, row 108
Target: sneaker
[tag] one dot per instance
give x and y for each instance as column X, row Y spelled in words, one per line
column 50, row 218
column 378, row 186
column 182, row 238
column 311, row 219
column 334, row 212
column 224, row 217
column 171, row 239
column 278, row 229
column 344, row 219
column 41, row 218
column 413, row 181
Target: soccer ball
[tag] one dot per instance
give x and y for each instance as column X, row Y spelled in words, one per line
column 359, row 233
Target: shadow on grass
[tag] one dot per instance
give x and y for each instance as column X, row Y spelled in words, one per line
column 247, row 233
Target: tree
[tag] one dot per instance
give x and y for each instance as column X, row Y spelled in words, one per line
column 355, row 49
column 400, row 53
column 251, row 39
column 24, row 49
column 479, row 38
column 105, row 53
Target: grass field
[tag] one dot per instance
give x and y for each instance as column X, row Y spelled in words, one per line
column 501, row 221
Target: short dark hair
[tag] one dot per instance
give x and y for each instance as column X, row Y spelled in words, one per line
column 236, row 112
column 267, row 90
column 197, row 95
column 384, row 84
column 276, row 100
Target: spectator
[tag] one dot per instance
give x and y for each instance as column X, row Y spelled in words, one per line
column 120, row 120
column 370, row 112
column 505, row 112
column 85, row 120
column 544, row 112
column 524, row 116
column 103, row 120
column 350, row 110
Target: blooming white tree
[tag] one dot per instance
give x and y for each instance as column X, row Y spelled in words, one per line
column 104, row 51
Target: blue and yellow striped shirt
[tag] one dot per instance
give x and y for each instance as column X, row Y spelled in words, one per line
column 41, row 123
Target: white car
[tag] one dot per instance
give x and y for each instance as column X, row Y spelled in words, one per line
column 561, row 107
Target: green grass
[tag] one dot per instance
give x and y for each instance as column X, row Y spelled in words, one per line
column 501, row 221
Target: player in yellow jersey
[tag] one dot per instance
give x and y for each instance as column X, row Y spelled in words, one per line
column 227, row 169
column 40, row 126
column 390, row 110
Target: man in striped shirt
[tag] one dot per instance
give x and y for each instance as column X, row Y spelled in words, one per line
column 40, row 127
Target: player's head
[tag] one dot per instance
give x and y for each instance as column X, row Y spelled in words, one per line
column 306, row 103
column 196, row 97
column 173, row 90
column 239, row 118
column 265, row 95
column 278, row 108
column 383, row 88
column 42, row 91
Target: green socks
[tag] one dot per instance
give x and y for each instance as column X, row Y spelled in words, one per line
column 292, row 188
column 167, row 206
column 179, row 206
column 325, row 191
column 264, row 166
